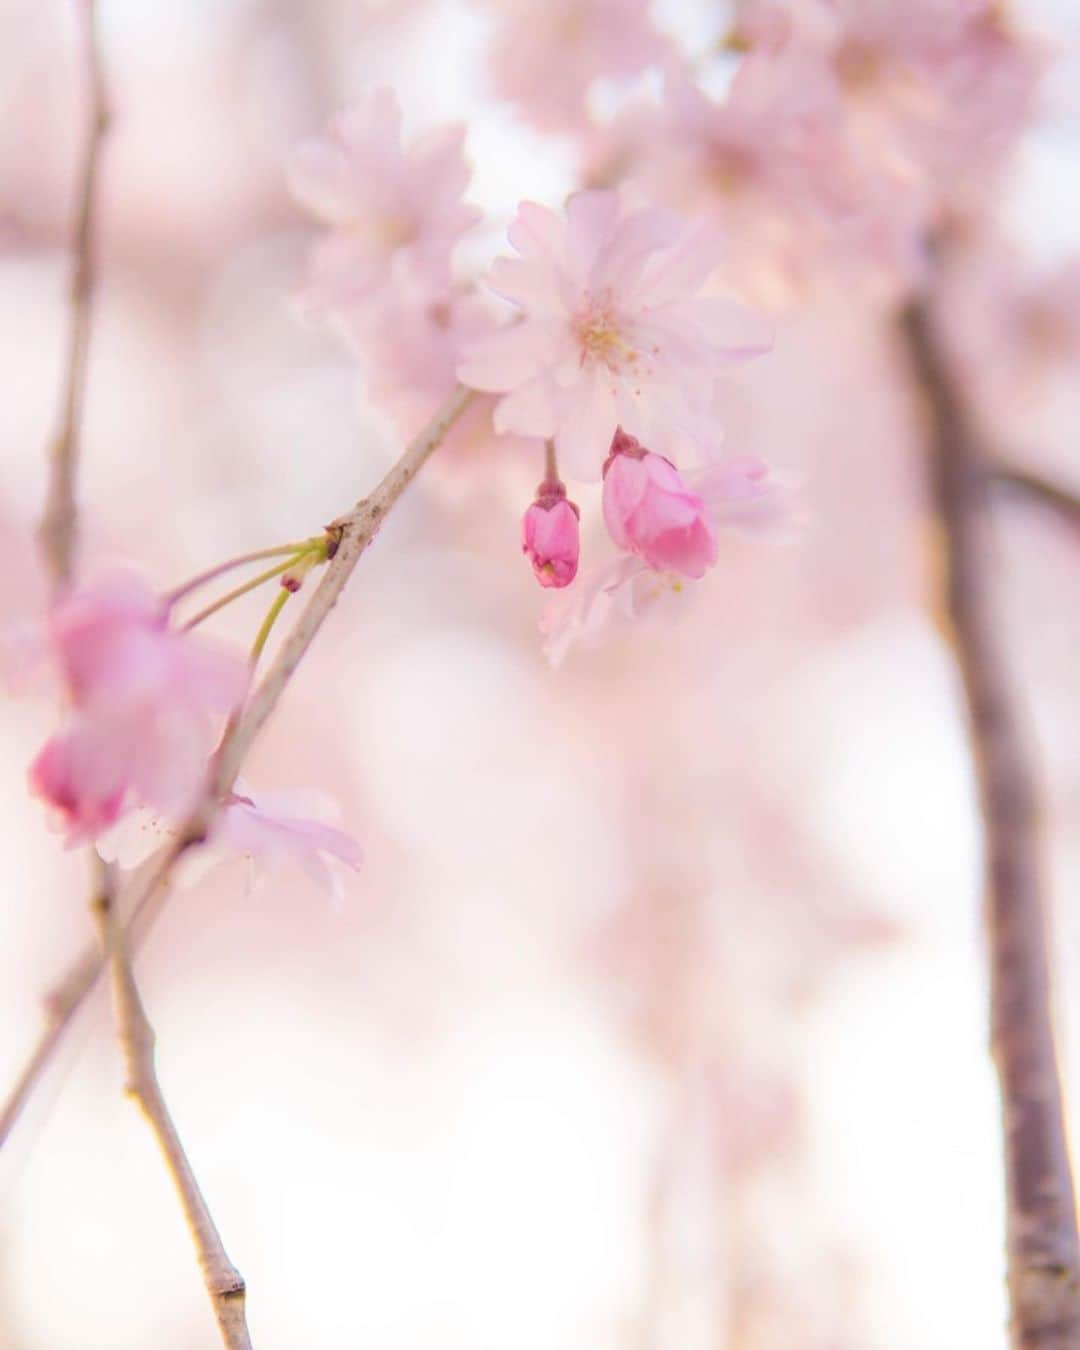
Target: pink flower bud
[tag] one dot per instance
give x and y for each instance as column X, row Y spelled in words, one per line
column 551, row 537
column 650, row 511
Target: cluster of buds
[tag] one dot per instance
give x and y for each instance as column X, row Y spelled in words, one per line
column 649, row 509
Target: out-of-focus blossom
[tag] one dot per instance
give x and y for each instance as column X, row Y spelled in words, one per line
column 650, row 511
column 290, row 827
column 741, row 492
column 773, row 161
column 546, row 53
column 411, row 340
column 144, row 704
column 76, row 774
column 615, row 331
column 391, row 211
column 551, row 536
column 610, row 599
column 272, row 830
column 935, row 91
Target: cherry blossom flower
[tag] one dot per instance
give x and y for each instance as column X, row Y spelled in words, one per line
column 738, row 494
column 935, row 91
column 292, row 826
column 615, row 331
column 546, row 53
column 773, row 160
column 551, row 536
column 611, row 599
column 288, row 827
column 650, row 511
column 391, row 211
column 144, row 702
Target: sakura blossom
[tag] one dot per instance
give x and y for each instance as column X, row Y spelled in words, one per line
column 612, row 599
column 615, row 329
column 289, row 827
column 394, row 214
column 144, row 704
column 547, row 53
column 900, row 68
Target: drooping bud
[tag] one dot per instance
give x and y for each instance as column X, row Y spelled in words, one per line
column 650, row 511
column 551, row 536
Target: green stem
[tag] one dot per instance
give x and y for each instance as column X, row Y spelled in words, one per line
column 212, row 573
column 267, row 624
column 251, row 585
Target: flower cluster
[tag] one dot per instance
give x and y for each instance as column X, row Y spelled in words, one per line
column 847, row 133
column 382, row 272
column 616, row 359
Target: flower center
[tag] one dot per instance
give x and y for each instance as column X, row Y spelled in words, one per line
column 601, row 340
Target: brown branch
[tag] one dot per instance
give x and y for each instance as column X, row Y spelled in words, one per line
column 1043, row 1248
column 59, row 521
column 1024, row 484
column 223, row 1281
column 147, row 891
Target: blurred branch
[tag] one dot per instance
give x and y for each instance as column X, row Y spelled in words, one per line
column 1022, row 483
column 57, row 529
column 224, row 1283
column 1043, row 1248
column 147, row 891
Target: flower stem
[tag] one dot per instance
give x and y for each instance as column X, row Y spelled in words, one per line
column 267, row 625
column 212, row 573
column 243, row 589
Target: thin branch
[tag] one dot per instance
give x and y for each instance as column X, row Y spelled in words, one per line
column 147, row 891
column 1043, row 1247
column 223, row 1281
column 59, row 521
column 1024, row 484
column 355, row 531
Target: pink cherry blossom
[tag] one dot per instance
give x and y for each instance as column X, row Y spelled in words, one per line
column 615, row 330
column 144, row 704
column 546, row 53
column 271, row 830
column 551, row 536
column 773, row 159
column 612, row 598
column 288, row 827
column 650, row 511
column 739, row 494
column 390, row 211
column 936, row 91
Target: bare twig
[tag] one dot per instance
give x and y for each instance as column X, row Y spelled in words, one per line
column 59, row 521
column 1024, row 484
column 147, row 892
column 223, row 1281
column 1043, row 1248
